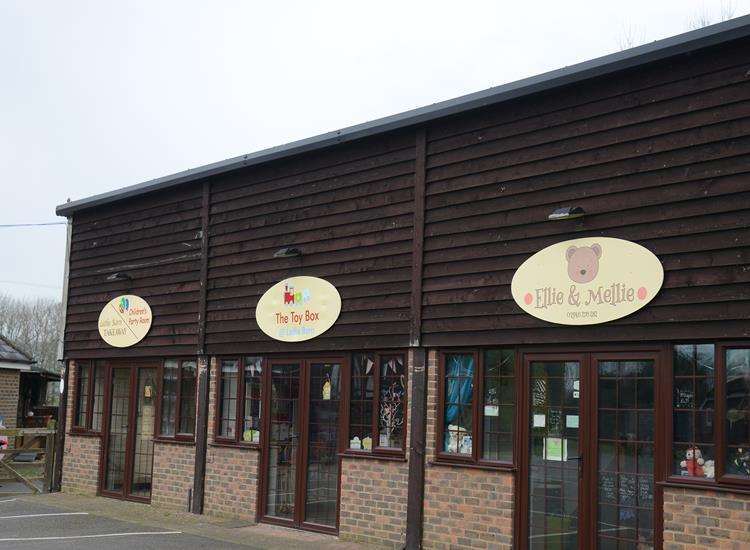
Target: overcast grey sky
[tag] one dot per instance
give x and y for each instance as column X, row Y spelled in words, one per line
column 102, row 94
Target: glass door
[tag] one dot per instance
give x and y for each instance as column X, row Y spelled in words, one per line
column 282, row 450
column 118, row 428
column 301, row 485
column 625, row 439
column 588, row 470
column 555, row 472
column 321, row 445
column 129, row 433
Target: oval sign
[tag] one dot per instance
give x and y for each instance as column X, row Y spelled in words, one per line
column 587, row 281
column 298, row 309
column 124, row 321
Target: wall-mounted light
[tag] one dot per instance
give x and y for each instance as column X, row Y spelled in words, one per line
column 119, row 276
column 567, row 213
column 287, row 252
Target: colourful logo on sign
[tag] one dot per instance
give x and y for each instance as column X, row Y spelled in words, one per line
column 587, row 281
column 298, row 309
column 125, row 321
column 292, row 297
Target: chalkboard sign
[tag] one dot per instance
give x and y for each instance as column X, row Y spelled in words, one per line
column 628, row 490
column 607, row 488
column 645, row 491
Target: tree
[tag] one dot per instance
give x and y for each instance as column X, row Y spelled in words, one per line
column 704, row 18
column 631, row 36
column 33, row 325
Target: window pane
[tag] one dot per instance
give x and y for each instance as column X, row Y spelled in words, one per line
column 693, row 411
column 498, row 409
column 251, row 421
column 361, row 401
column 169, row 398
column 391, row 415
column 187, row 398
column 82, row 395
column 738, row 412
column 98, row 408
column 459, row 395
column 228, row 405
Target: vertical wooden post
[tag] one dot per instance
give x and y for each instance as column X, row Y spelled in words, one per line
column 415, row 502
column 201, row 425
column 415, row 326
column 49, row 461
column 417, row 421
column 62, row 411
column 201, row 435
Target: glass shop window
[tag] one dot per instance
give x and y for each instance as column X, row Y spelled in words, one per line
column 89, row 396
column 83, row 373
column 711, row 413
column 693, row 404
column 737, row 412
column 377, row 403
column 239, row 399
column 178, row 387
column 477, row 401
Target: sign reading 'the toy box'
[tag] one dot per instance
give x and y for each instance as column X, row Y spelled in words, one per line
column 298, row 309
column 587, row 281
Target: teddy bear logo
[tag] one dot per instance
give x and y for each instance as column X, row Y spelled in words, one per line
column 583, row 262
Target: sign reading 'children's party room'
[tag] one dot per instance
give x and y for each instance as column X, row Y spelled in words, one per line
column 125, row 321
column 298, row 309
column 587, row 281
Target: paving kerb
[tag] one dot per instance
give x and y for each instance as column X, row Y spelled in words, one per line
column 237, row 532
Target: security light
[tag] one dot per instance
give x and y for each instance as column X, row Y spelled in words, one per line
column 567, row 213
column 119, row 276
column 287, row 252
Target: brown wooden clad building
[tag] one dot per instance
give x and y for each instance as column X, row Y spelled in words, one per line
column 437, row 410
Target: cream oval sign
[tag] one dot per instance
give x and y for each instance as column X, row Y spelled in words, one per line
column 298, row 309
column 124, row 321
column 587, row 281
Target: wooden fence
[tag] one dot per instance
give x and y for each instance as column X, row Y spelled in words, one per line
column 39, row 442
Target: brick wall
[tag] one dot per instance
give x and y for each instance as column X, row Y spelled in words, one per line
column 9, row 381
column 374, row 493
column 231, row 487
column 699, row 519
column 82, row 453
column 463, row 507
column 172, row 475
column 81, row 464
column 373, row 501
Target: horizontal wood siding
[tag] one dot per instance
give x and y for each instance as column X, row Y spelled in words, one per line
column 156, row 240
column 659, row 155
column 349, row 210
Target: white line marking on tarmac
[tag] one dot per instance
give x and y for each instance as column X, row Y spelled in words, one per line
column 73, row 537
column 45, row 515
column 8, row 500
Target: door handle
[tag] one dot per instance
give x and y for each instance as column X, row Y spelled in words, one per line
column 580, row 464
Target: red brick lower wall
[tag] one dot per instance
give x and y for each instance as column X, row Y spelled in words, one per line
column 81, row 464
column 172, row 475
column 699, row 519
column 9, row 382
column 81, row 455
column 373, row 501
column 231, row 487
column 463, row 507
column 467, row 508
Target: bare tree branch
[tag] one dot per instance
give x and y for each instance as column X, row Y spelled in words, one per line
column 33, row 325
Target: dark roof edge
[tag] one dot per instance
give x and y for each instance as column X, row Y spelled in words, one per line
column 29, row 358
column 647, row 53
